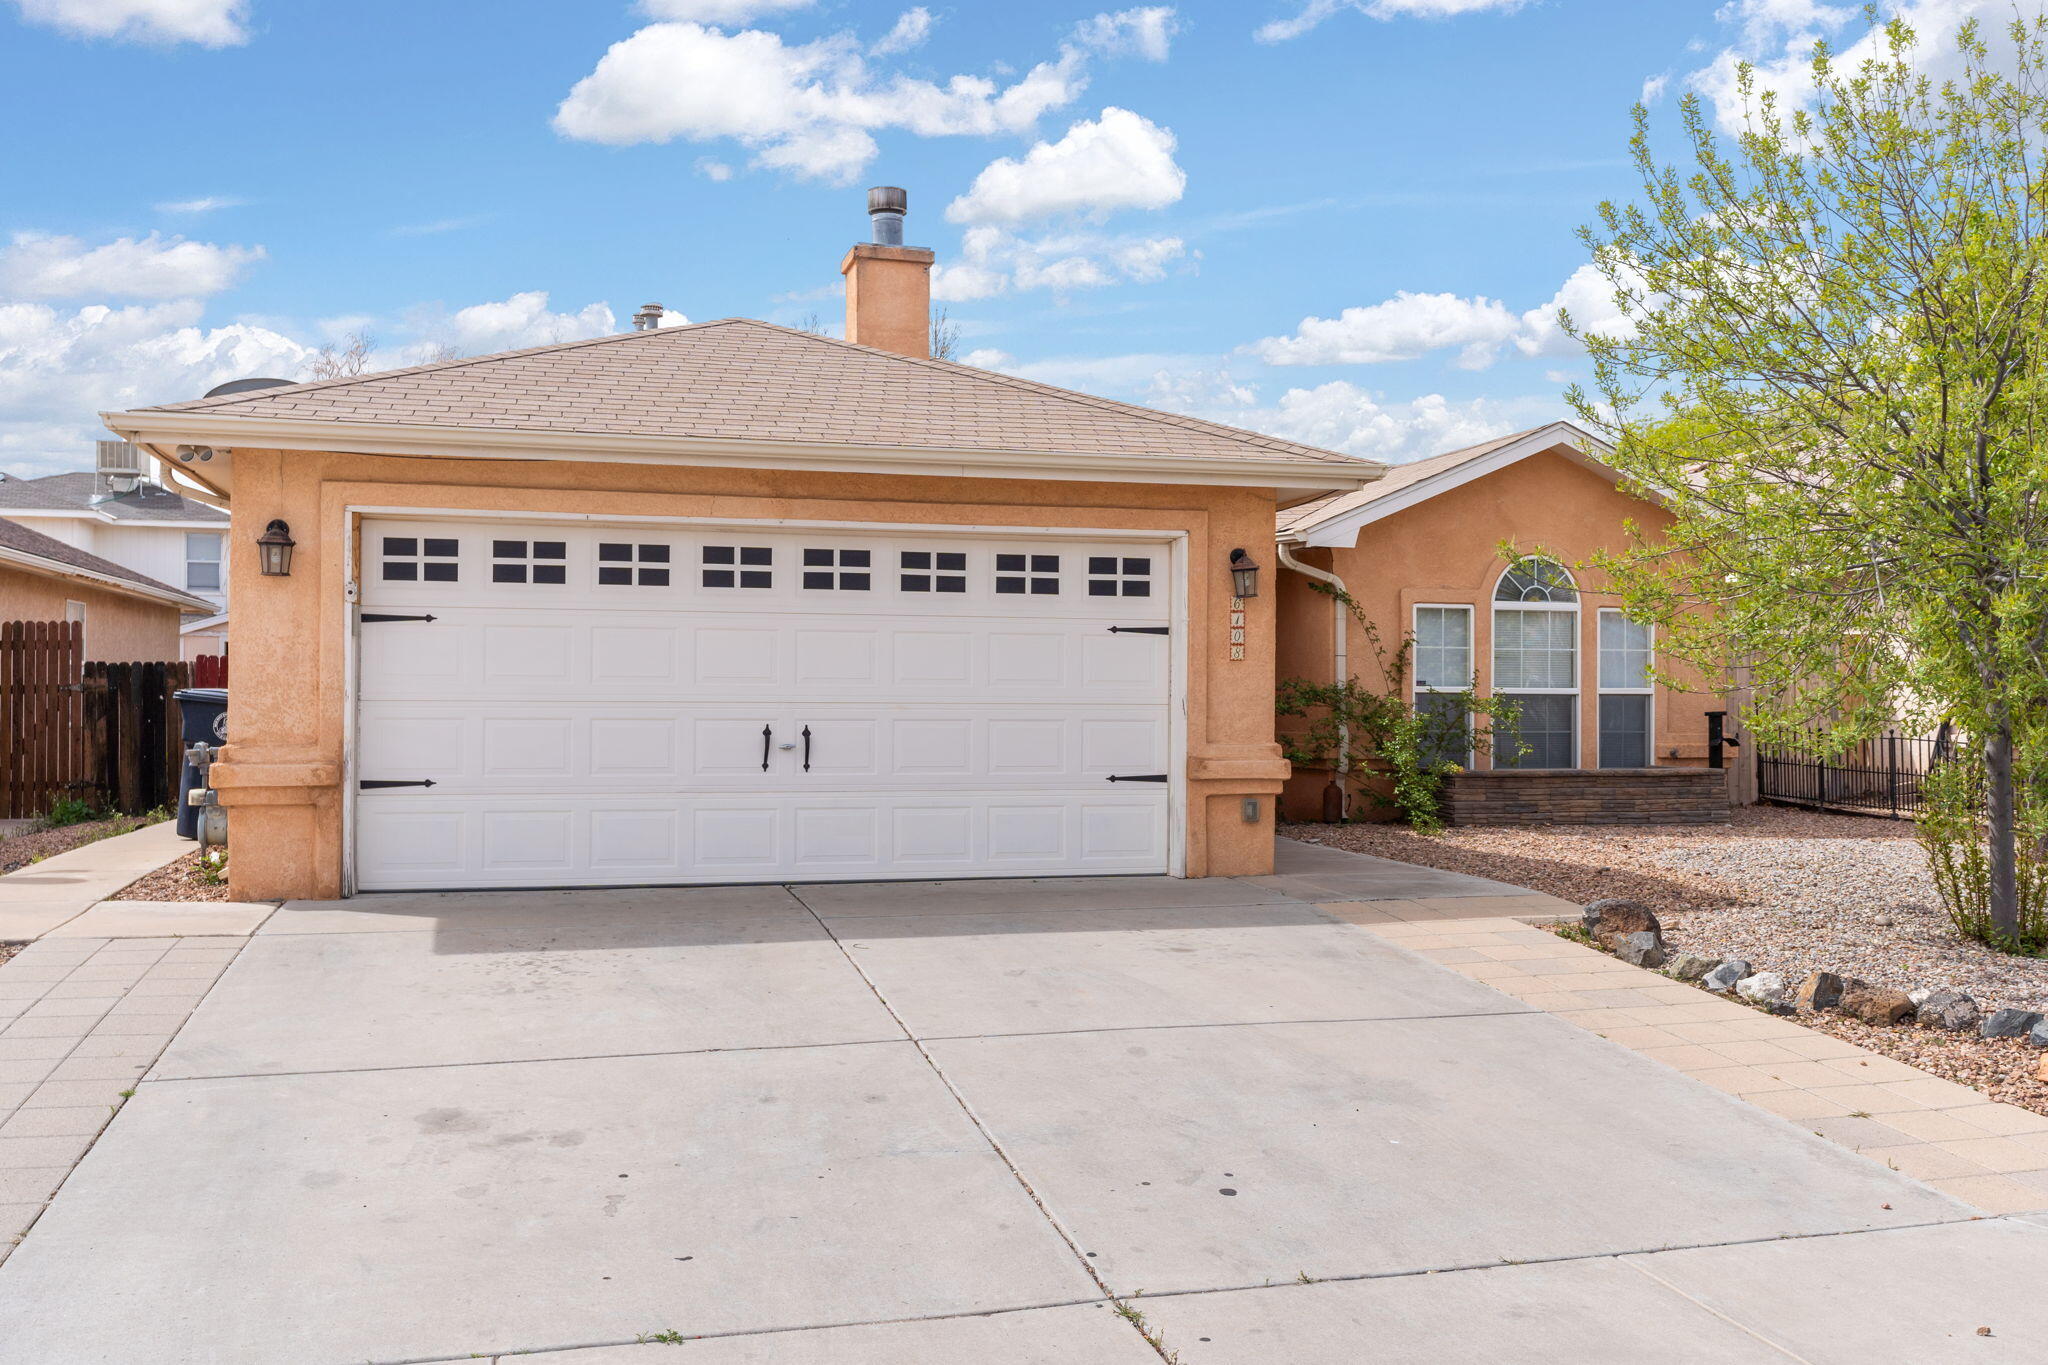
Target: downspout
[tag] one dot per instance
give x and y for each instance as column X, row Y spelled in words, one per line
column 1335, row 797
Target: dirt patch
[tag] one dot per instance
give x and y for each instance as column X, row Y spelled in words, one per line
column 183, row 880
column 32, row 846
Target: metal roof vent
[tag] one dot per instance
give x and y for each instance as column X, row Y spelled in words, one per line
column 648, row 319
column 247, row 386
column 886, row 206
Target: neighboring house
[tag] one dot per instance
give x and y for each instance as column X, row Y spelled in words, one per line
column 114, row 512
column 729, row 602
column 127, row 616
column 202, row 635
column 1420, row 552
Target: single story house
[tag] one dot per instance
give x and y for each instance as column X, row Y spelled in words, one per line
column 1420, row 553
column 127, row 615
column 203, row 635
column 730, row 602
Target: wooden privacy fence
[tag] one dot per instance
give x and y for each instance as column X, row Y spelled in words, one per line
column 104, row 733
column 210, row 670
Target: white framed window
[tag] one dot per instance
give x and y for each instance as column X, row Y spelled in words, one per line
column 1627, row 695
column 1536, row 664
column 202, row 561
column 1442, row 668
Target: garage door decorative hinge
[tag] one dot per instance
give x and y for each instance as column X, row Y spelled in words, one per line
column 370, row 616
column 1139, row 777
column 372, row 783
column 1141, row 630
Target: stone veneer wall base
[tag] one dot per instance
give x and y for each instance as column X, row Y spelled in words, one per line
column 1588, row 796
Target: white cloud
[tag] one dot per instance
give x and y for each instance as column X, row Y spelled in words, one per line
column 1777, row 36
column 1589, row 298
column 1119, row 161
column 208, row 204
column 807, row 108
column 46, row 266
column 210, row 23
column 436, row 227
column 711, row 168
column 718, row 11
column 522, row 320
column 1401, row 328
column 913, row 26
column 1654, row 87
column 1280, row 30
column 1343, row 416
column 1409, row 326
column 994, row 260
column 60, row 368
column 1146, row 32
column 988, row 358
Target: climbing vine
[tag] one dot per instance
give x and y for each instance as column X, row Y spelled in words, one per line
column 1380, row 735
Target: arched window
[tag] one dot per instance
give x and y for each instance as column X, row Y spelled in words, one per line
column 1536, row 664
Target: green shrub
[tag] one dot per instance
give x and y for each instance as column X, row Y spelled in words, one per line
column 1953, row 831
column 71, row 810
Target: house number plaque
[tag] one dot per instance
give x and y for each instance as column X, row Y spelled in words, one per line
column 1237, row 629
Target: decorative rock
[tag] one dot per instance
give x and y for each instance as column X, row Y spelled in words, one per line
column 2008, row 1024
column 2039, row 1037
column 1724, row 977
column 1691, row 966
column 2041, row 1071
column 1765, row 988
column 1876, row 1004
column 1820, row 991
column 1613, row 918
column 1919, row 997
column 1643, row 949
column 1951, row 1010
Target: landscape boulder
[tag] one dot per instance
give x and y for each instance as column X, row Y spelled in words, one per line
column 1645, row 948
column 1876, row 1004
column 2008, row 1024
column 1820, row 991
column 2041, row 1071
column 1951, row 1010
column 2038, row 1036
column 1765, row 988
column 1614, row 918
column 1691, row 966
column 1724, row 977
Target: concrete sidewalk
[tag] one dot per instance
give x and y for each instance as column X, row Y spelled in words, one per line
column 1025, row 1122
column 41, row 896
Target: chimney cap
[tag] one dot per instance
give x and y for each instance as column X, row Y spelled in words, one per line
column 648, row 319
column 888, row 199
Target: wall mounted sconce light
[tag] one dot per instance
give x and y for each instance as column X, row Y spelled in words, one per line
column 1244, row 574
column 275, row 547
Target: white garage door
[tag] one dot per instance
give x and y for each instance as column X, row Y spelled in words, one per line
column 620, row 705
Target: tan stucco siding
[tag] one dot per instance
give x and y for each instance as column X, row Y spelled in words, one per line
column 118, row 628
column 283, row 771
column 1446, row 552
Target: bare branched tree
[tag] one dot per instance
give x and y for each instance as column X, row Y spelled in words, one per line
column 945, row 336
column 345, row 363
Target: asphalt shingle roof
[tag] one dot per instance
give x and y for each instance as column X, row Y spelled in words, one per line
column 744, row 380
column 74, row 492
column 15, row 536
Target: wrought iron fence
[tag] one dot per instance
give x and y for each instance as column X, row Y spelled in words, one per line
column 1881, row 776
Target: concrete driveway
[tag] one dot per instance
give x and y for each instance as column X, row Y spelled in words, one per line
column 1116, row 1120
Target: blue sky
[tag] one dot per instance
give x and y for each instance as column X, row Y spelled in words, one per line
column 1344, row 221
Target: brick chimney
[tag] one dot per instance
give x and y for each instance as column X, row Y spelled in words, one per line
column 888, row 284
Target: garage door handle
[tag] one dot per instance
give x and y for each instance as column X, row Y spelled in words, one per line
column 1141, row 630
column 807, row 748
column 1139, row 777
column 373, row 783
column 767, row 740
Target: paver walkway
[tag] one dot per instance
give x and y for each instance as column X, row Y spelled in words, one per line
column 1028, row 1121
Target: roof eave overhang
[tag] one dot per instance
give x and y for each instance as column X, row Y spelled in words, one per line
column 54, row 568
column 1340, row 528
column 1293, row 480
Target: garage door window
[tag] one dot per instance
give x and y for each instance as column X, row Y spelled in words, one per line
column 529, row 561
column 753, row 570
column 409, row 559
column 934, row 571
column 629, row 563
column 837, row 570
column 1036, row 574
column 1119, row 575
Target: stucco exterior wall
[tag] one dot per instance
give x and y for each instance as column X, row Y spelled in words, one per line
column 118, row 628
column 281, row 774
column 1446, row 552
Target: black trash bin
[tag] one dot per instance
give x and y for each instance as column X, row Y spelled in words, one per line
column 203, row 719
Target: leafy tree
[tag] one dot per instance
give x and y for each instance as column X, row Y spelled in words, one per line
column 1831, row 369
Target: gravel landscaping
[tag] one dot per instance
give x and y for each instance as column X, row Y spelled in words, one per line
column 183, row 880
column 1788, row 891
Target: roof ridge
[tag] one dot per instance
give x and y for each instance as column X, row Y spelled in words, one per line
column 1069, row 395
column 71, row 554
column 435, row 366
